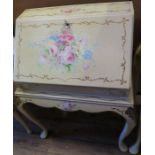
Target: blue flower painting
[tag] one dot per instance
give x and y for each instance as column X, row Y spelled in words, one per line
column 54, row 38
column 87, row 54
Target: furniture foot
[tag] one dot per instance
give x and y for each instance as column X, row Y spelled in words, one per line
column 129, row 115
column 44, row 132
column 134, row 149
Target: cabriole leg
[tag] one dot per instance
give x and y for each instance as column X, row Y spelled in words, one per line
column 20, row 119
column 134, row 149
column 44, row 133
column 129, row 115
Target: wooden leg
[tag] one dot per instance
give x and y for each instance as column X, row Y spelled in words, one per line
column 44, row 133
column 20, row 119
column 129, row 115
column 134, row 149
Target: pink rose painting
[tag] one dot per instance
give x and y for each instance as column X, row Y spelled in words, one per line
column 64, row 49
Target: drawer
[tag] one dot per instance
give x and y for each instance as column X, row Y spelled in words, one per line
column 74, row 100
column 73, row 103
column 78, row 45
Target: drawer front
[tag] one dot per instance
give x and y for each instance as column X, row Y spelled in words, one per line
column 67, row 105
column 85, row 51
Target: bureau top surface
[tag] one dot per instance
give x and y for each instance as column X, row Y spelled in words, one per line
column 79, row 10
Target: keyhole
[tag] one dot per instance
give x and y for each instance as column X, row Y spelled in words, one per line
column 67, row 24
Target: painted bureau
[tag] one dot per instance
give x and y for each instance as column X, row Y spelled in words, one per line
column 76, row 57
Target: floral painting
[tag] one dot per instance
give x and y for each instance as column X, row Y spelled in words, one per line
column 66, row 50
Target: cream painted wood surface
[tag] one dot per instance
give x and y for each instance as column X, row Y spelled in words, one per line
column 80, row 45
column 76, row 57
column 68, row 104
column 55, row 96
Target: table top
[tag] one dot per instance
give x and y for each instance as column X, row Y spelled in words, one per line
column 78, row 10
